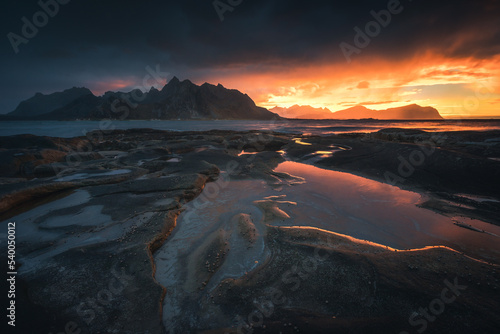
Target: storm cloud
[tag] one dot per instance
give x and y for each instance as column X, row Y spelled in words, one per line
column 110, row 43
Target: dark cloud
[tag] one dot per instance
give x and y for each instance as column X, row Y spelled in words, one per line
column 98, row 40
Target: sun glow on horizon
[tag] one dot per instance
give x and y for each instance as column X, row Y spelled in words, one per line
column 456, row 87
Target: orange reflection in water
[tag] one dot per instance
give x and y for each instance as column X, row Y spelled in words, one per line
column 300, row 142
column 369, row 210
column 352, row 185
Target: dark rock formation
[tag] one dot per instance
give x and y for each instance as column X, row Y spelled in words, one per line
column 87, row 236
column 177, row 100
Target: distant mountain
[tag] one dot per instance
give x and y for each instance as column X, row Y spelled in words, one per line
column 409, row 112
column 303, row 112
column 412, row 111
column 41, row 104
column 176, row 100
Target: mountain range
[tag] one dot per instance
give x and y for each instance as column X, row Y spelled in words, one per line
column 176, row 100
column 183, row 100
column 303, row 112
column 409, row 112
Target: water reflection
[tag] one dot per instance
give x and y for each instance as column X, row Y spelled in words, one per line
column 247, row 153
column 300, row 142
column 374, row 211
column 318, row 155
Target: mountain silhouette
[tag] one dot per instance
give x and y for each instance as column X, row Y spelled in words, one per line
column 409, row 112
column 176, row 100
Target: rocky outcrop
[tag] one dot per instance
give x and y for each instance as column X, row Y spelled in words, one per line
column 87, row 234
column 89, row 239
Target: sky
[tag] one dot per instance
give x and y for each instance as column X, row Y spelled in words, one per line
column 333, row 54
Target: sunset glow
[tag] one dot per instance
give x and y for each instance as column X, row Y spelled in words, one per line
column 231, row 166
column 444, row 55
column 465, row 87
column 103, row 86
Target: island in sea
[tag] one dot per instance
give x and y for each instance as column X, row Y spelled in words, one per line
column 409, row 112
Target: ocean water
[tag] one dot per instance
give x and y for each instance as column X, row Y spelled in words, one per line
column 69, row 129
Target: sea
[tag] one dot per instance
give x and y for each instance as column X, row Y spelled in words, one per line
column 68, row 129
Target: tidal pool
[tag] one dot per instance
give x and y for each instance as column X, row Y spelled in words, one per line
column 209, row 234
column 381, row 213
column 209, row 243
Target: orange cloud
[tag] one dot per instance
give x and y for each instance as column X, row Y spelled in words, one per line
column 363, row 85
column 427, row 79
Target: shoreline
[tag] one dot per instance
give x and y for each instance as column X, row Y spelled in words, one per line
column 73, row 129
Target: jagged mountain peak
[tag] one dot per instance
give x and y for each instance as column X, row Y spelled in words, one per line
column 176, row 100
